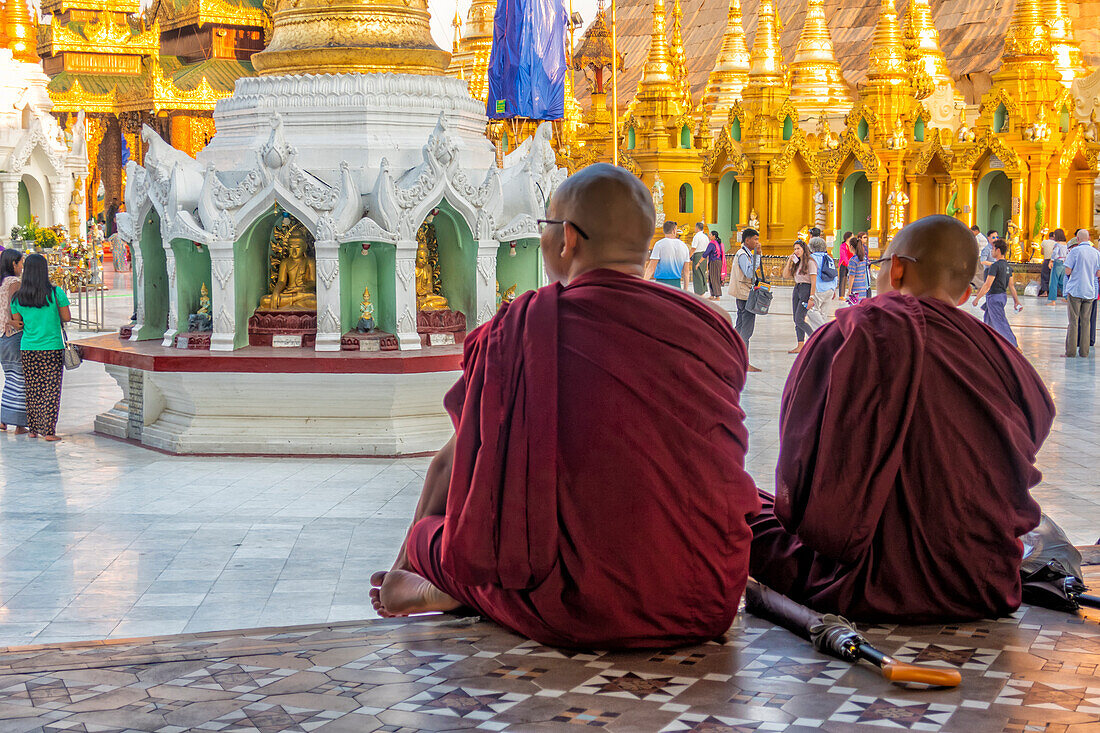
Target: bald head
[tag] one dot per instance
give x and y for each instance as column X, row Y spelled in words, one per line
column 608, row 222
column 944, row 251
column 610, row 204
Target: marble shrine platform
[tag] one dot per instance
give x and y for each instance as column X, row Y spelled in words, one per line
column 263, row 400
column 1033, row 671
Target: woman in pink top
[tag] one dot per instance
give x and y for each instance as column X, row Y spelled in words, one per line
column 842, row 261
column 13, row 402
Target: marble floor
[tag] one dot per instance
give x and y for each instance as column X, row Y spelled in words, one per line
column 102, row 539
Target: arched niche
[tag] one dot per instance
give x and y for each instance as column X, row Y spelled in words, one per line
column 788, row 127
column 36, row 200
column 192, row 273
column 685, row 137
column 735, row 129
column 23, row 208
column 251, row 271
column 729, row 206
column 154, row 268
column 918, row 130
column 686, row 199
column 631, row 139
column 855, row 203
column 371, row 270
column 457, row 260
column 862, row 129
column 1000, row 117
column 519, row 266
column 994, row 201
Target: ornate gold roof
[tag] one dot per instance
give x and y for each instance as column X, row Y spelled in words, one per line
column 172, row 14
column 919, row 32
column 105, row 36
column 593, row 53
column 1067, row 51
column 158, row 92
column 679, row 61
column 816, row 81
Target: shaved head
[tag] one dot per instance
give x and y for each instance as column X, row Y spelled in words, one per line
column 613, row 209
column 945, row 255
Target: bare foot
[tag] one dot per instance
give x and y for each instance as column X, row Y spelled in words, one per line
column 3, row 426
column 753, row 369
column 51, row 438
column 21, row 431
column 400, row 593
column 796, row 349
column 32, row 433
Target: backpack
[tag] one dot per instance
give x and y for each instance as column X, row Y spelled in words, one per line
column 827, row 271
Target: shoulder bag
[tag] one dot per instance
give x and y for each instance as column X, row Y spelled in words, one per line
column 72, row 357
column 760, row 298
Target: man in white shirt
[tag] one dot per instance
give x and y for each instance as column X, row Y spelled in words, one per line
column 669, row 260
column 699, row 244
column 1082, row 270
column 1047, row 248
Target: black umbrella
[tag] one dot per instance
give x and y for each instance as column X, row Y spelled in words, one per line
column 1051, row 570
column 836, row 636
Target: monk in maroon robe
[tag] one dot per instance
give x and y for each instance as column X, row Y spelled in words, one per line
column 908, row 435
column 594, row 493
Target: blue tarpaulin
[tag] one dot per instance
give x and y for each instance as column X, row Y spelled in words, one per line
column 527, row 64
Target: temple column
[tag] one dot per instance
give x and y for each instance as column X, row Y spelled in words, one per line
column 137, row 266
column 1054, row 203
column 914, row 193
column 59, row 200
column 775, row 183
column 760, row 197
column 327, row 260
column 1085, row 204
column 10, row 189
column 405, row 290
column 971, row 199
column 486, row 293
column 173, row 297
column 876, row 215
column 223, row 301
column 744, row 201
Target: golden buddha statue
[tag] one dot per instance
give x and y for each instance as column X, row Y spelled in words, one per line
column 366, row 314
column 426, row 298
column 76, row 205
column 754, row 220
column 204, row 302
column 296, row 283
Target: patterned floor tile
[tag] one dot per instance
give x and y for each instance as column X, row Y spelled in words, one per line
column 795, row 669
column 1051, row 696
column 460, row 702
column 590, row 717
column 947, row 655
column 404, row 661
column 700, row 723
column 892, row 713
column 635, row 685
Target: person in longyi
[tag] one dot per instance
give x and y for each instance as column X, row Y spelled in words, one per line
column 594, row 493
column 908, row 436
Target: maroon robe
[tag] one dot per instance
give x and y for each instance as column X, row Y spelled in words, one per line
column 908, row 435
column 598, row 496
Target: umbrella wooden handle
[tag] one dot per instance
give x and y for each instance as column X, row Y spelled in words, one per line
column 901, row 672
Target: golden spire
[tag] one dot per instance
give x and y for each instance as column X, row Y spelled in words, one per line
column 920, row 32
column 457, row 25
column 470, row 60
column 658, row 95
column 679, row 59
column 731, row 69
column 766, row 59
column 1027, row 52
column 19, row 31
column 816, row 80
column 887, row 68
column 1066, row 49
column 362, row 36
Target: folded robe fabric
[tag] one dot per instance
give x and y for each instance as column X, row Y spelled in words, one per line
column 908, row 436
column 598, row 493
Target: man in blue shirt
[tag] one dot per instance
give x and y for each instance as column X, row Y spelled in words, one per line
column 1082, row 269
column 825, row 302
column 669, row 260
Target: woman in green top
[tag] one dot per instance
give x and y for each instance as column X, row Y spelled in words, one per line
column 40, row 308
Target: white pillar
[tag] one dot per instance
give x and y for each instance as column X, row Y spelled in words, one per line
column 173, row 297
column 405, row 288
column 10, row 189
column 138, row 268
column 223, row 301
column 486, row 293
column 327, row 253
column 59, row 203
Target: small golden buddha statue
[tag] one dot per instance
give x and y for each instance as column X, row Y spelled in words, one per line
column 754, row 220
column 426, row 299
column 204, row 302
column 366, row 314
column 296, row 284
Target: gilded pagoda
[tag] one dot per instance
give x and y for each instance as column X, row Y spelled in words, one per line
column 165, row 67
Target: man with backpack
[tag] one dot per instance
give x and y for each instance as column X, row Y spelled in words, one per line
column 826, row 300
column 742, row 279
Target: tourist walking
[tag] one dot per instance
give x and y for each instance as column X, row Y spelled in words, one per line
column 801, row 267
column 865, row 243
column 1058, row 253
column 826, row 300
column 41, row 308
column 999, row 284
column 858, row 272
column 842, row 270
column 668, row 262
column 742, row 279
column 13, row 402
column 699, row 263
column 713, row 258
column 1082, row 269
column 1047, row 248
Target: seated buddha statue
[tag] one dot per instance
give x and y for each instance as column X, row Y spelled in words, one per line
column 426, row 299
column 296, row 283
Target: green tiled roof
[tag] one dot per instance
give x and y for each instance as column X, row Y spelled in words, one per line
column 221, row 74
column 94, row 83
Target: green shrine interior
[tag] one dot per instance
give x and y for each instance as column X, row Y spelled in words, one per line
column 364, row 266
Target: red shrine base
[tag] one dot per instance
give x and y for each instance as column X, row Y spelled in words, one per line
column 276, row 401
column 282, row 328
column 439, row 328
column 370, row 341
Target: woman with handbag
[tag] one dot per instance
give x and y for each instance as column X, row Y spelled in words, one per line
column 846, row 252
column 41, row 309
column 13, row 403
column 802, row 267
column 859, row 283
